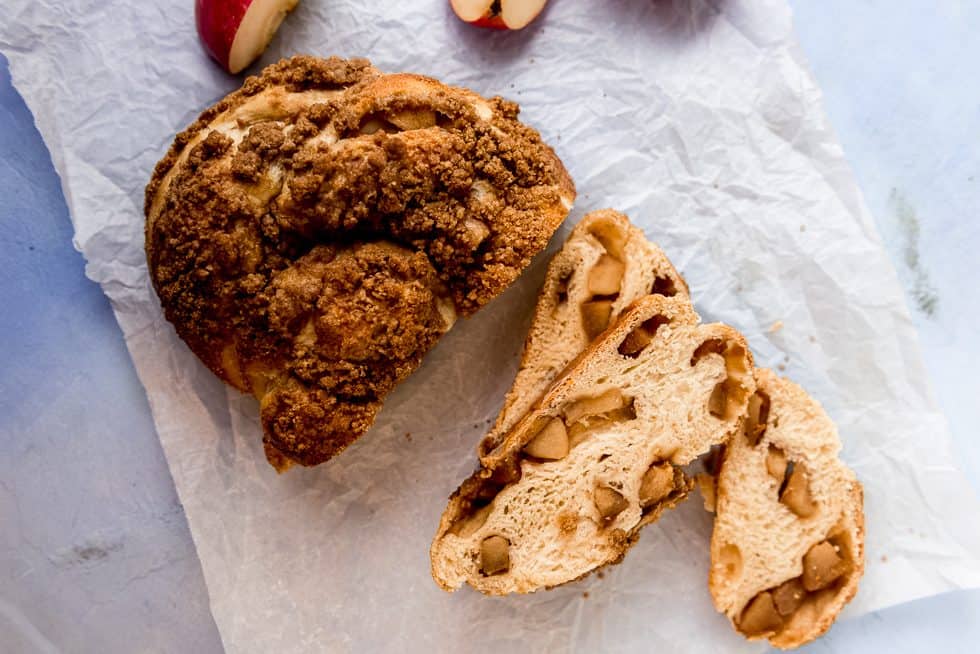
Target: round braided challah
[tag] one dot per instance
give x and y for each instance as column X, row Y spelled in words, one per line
column 314, row 233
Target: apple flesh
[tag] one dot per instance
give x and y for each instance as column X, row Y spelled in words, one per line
column 498, row 14
column 236, row 32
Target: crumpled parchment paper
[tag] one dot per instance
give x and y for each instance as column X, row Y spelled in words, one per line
column 697, row 118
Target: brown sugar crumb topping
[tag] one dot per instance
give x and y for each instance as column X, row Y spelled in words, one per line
column 314, row 233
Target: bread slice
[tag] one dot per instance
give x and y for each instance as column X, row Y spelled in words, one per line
column 605, row 265
column 788, row 544
column 597, row 458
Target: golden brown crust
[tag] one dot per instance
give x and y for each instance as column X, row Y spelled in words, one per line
column 314, row 233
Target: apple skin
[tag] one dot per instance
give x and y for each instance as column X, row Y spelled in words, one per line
column 494, row 15
column 491, row 22
column 217, row 24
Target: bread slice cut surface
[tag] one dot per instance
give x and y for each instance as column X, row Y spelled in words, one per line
column 599, row 456
column 605, row 265
column 787, row 550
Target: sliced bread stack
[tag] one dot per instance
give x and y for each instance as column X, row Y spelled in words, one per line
column 599, row 455
column 619, row 388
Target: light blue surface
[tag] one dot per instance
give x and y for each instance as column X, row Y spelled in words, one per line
column 110, row 566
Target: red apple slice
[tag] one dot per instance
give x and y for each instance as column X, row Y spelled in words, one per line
column 519, row 13
column 498, row 14
column 236, row 32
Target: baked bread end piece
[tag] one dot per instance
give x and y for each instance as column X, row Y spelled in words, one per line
column 787, row 550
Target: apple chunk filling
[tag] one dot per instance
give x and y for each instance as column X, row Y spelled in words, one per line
column 549, row 444
column 727, row 397
column 585, row 415
column 638, row 339
column 757, row 417
column 593, row 406
column 494, row 555
column 604, row 281
column 393, row 121
column 376, row 123
column 595, row 316
column 606, row 276
column 609, row 502
column 470, row 524
column 795, row 494
column 826, row 566
column 547, row 439
column 415, row 118
column 658, row 482
column 776, row 464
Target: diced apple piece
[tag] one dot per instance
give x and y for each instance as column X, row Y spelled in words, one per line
column 657, row 483
column 609, row 502
column 551, row 443
column 606, row 276
column 593, row 406
column 595, row 317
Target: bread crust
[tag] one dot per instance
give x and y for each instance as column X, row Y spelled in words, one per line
column 315, row 232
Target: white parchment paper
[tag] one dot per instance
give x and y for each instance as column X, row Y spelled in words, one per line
column 698, row 119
